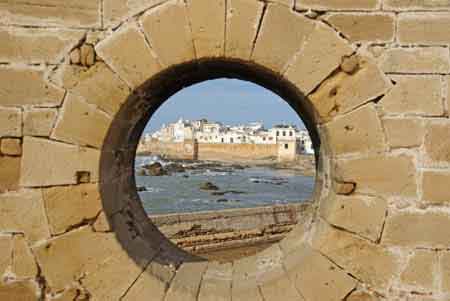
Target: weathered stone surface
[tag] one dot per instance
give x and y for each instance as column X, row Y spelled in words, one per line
column 216, row 282
column 87, row 55
column 66, row 160
column 398, row 132
column 343, row 92
column 68, row 206
column 400, row 5
column 401, row 179
column 321, row 54
column 101, row 224
column 38, row 91
column 364, row 27
column 23, row 212
column 153, row 282
column 71, row 13
column 362, row 296
column 420, row 269
column 245, row 285
column 98, row 85
column 115, row 11
column 11, row 146
column 417, row 229
column 23, row 291
column 316, row 277
column 10, row 175
column 127, row 52
column 336, row 4
column 368, row 262
column 413, row 60
column 81, row 123
column 445, row 268
column 275, row 284
column 343, row 188
column 208, row 27
column 75, row 56
column 169, row 20
column 10, row 122
column 23, row 265
column 424, row 28
column 39, row 122
column 33, row 45
column 407, row 96
column 186, row 283
column 6, row 246
column 359, row 131
column 241, row 26
column 79, row 252
column 435, row 187
column 275, row 46
column 361, row 215
column 437, row 144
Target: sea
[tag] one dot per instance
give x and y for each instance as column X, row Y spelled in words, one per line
column 247, row 187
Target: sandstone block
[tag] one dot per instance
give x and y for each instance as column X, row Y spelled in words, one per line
column 361, row 215
column 343, row 188
column 445, row 268
column 275, row 46
column 23, row 212
column 186, row 283
column 128, row 54
column 369, row 262
column 276, row 284
column 10, row 175
column 102, row 224
column 216, row 282
column 6, row 246
column 316, row 277
column 10, row 122
column 71, row 205
column 98, row 85
column 364, row 27
column 362, row 296
column 153, row 282
column 343, row 92
column 435, row 187
column 23, row 291
column 161, row 25
column 72, row 13
column 409, row 93
column 359, row 131
column 68, row 257
column 114, row 11
column 413, row 60
column 424, row 28
column 321, row 54
column 415, row 5
column 112, row 278
column 39, row 122
column 322, row 5
column 66, row 160
column 81, row 123
column 24, row 265
column 75, row 56
column 33, row 45
column 398, row 132
column 38, row 91
column 11, row 146
column 241, row 26
column 245, row 280
column 87, row 55
column 420, row 270
column 417, row 229
column 401, row 179
column 208, row 27
column 437, row 144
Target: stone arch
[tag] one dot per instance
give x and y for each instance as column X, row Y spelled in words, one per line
column 95, row 238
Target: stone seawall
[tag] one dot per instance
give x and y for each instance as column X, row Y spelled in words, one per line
column 210, row 231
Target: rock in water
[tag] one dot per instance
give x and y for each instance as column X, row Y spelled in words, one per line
column 208, row 186
column 155, row 169
column 175, row 167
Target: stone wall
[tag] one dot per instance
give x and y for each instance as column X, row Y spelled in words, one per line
column 174, row 150
column 80, row 79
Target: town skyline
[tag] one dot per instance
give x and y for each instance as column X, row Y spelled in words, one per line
column 229, row 101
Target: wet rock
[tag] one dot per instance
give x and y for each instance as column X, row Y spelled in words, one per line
column 222, row 201
column 155, row 169
column 208, row 186
column 175, row 167
column 228, row 192
column 141, row 188
column 141, row 172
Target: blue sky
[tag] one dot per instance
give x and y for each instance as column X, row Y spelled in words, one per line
column 229, row 101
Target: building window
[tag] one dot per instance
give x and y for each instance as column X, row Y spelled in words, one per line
column 278, row 133
column 264, row 138
column 286, row 146
column 223, row 140
column 231, row 140
column 284, row 133
column 290, row 133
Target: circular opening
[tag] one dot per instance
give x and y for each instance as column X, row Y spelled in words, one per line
column 121, row 199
